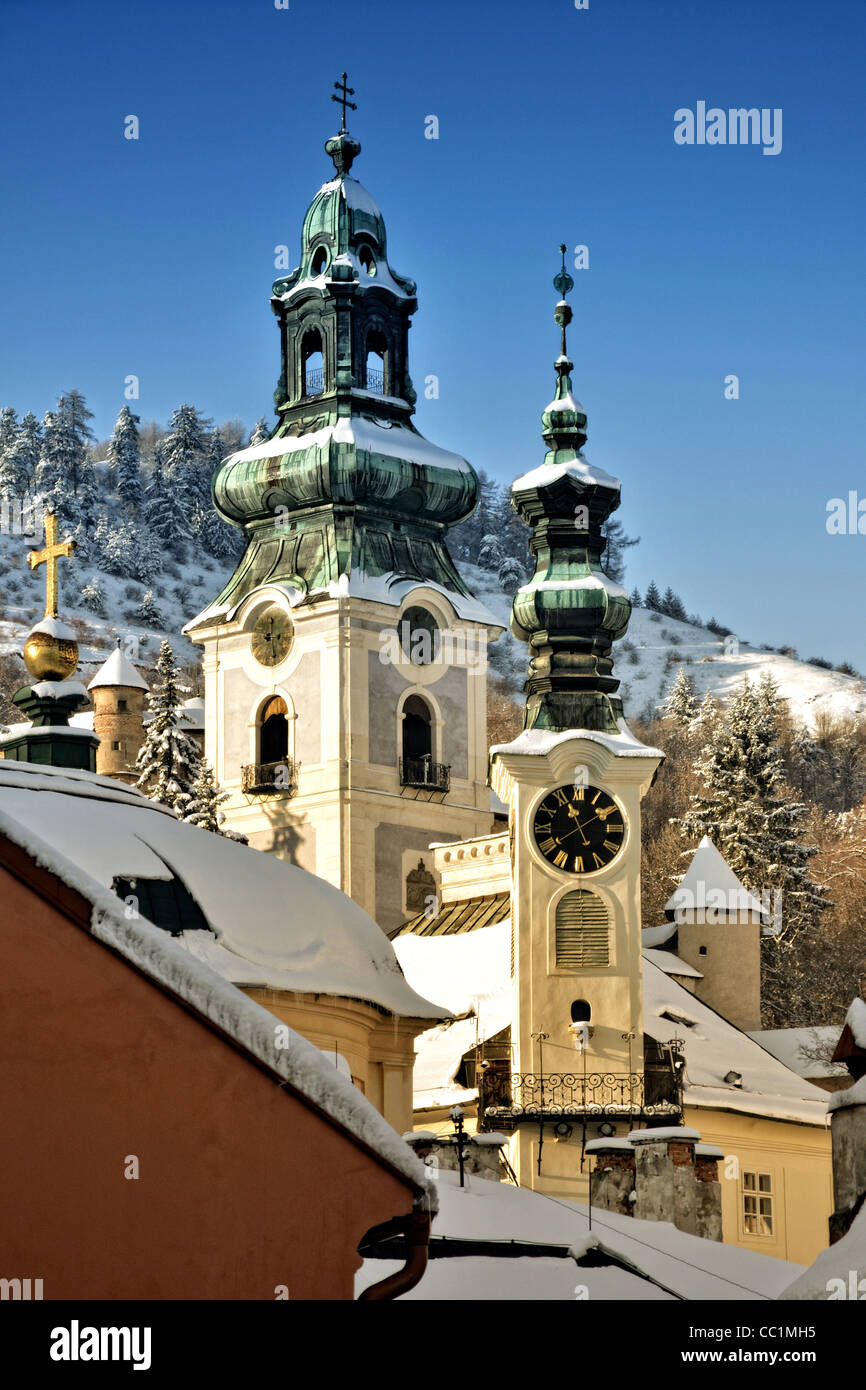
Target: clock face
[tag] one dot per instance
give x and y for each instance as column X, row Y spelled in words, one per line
column 272, row 637
column 579, row 829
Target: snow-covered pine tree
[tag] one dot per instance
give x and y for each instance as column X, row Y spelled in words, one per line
column 147, row 611
column 749, row 813
column 92, row 596
column 202, row 807
column 672, row 606
column 169, row 760
column 187, row 459
column 490, row 554
column 653, row 597
column 49, row 469
column 681, row 704
column 166, row 513
column 146, row 560
column 511, row 575
column 707, row 714
column 261, row 431
column 13, row 472
column 29, row 445
column 75, row 435
column 125, row 460
column 636, row 600
column 613, row 556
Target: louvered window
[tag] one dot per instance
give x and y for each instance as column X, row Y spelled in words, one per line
column 582, row 932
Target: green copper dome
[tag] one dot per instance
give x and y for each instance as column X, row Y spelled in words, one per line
column 570, row 612
column 345, row 483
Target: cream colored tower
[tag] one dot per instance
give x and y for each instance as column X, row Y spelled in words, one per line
column 573, row 780
column 345, row 661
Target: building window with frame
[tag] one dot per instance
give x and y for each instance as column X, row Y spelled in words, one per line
column 758, row 1212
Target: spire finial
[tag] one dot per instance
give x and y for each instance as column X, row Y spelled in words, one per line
column 564, row 419
column 344, row 92
column 342, row 148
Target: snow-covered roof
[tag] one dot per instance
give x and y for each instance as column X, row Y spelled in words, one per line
column 163, row 959
column 710, row 873
column 470, row 972
column 657, row 936
column 118, row 670
column 274, row 925
column 793, row 1046
column 713, row 1048
column 838, row 1271
column 540, row 742
column 683, row 1266
column 856, row 1020
column 671, row 964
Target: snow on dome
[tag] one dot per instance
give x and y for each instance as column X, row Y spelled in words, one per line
column 577, row 468
column 56, row 690
column 55, row 628
column 709, row 873
column 274, row 925
column 118, row 670
column 357, row 197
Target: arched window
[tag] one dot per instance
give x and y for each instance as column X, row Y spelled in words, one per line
column 417, row 729
column 274, row 731
column 581, row 1011
column 312, row 364
column 375, row 372
column 582, row 932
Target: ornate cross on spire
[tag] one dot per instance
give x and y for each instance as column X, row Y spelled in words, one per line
column 344, row 93
column 49, row 556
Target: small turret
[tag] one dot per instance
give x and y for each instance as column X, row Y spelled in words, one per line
column 118, row 693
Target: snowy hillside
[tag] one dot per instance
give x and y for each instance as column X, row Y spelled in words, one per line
column 647, row 658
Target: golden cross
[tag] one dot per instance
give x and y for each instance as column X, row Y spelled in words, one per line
column 49, row 556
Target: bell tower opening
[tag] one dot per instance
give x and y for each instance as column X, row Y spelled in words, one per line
column 274, row 731
column 312, row 364
column 417, row 730
column 376, row 366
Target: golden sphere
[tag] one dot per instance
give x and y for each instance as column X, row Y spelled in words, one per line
column 49, row 658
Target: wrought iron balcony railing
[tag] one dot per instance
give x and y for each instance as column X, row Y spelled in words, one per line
column 271, row 779
column 424, row 773
column 375, row 382
column 314, row 382
column 526, row 1095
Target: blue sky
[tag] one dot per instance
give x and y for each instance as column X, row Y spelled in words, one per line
column 156, row 257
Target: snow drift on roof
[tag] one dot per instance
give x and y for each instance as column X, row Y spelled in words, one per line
column 275, row 924
column 161, row 958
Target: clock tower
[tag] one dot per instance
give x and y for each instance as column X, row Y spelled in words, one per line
column 573, row 781
column 345, row 660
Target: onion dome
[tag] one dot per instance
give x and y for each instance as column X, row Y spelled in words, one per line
column 345, row 483
column 571, row 611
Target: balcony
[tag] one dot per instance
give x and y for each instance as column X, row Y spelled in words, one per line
column 508, row 1097
column 270, row 779
column 314, row 381
column 375, row 382
column 425, row 775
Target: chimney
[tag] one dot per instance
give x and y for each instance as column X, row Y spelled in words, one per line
column 660, row 1175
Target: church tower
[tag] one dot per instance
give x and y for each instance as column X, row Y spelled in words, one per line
column 345, row 660
column 573, row 780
